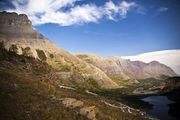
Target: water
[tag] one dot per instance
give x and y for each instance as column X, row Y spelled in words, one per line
column 160, row 107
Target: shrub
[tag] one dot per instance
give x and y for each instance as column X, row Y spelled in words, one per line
column 13, row 48
column 51, row 56
column 41, row 54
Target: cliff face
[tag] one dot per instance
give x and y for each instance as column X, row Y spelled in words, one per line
column 19, row 37
column 17, row 30
column 116, row 66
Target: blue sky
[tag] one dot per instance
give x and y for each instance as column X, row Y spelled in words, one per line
column 105, row 27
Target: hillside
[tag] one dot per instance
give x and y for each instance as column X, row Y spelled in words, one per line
column 31, row 90
column 18, row 36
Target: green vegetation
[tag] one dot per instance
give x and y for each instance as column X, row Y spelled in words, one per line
column 51, row 56
column 76, row 72
column 82, row 56
column 149, row 82
column 120, row 81
column 2, row 45
column 125, row 96
column 163, row 77
column 171, row 84
column 64, row 67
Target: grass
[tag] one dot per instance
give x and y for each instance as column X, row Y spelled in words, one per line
column 119, row 80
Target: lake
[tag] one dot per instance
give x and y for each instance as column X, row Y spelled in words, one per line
column 161, row 107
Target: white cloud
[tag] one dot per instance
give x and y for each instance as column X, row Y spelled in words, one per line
column 52, row 11
column 76, row 15
column 121, row 9
column 124, row 7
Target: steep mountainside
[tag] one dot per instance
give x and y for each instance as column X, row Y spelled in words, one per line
column 31, row 90
column 19, row 37
column 116, row 66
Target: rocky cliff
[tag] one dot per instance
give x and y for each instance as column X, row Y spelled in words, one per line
column 126, row 69
column 19, row 37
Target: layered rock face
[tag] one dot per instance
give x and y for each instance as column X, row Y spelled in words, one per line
column 19, row 37
column 116, row 66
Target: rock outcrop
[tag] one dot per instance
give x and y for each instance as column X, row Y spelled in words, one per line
column 88, row 111
column 20, row 37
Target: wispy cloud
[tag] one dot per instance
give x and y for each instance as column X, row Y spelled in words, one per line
column 141, row 10
column 162, row 9
column 53, row 11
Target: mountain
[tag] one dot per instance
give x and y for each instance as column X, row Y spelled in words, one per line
column 18, row 36
column 126, row 69
column 170, row 58
column 36, row 80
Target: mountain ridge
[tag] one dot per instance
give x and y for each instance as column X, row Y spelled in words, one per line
column 170, row 58
column 128, row 69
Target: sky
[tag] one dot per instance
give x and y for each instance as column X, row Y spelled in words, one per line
column 104, row 27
